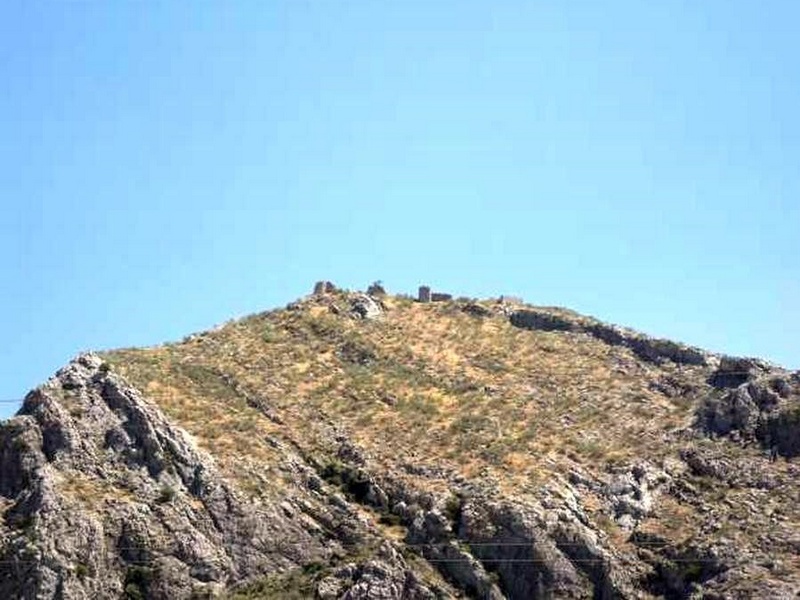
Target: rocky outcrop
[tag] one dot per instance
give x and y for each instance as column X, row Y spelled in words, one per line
column 106, row 498
column 732, row 371
column 544, row 321
column 714, row 463
column 647, row 348
column 632, row 493
column 365, row 307
column 505, row 537
column 476, row 310
column 494, row 547
column 756, row 402
column 362, row 483
column 431, row 534
column 386, row 577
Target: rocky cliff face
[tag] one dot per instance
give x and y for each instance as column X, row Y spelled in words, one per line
column 104, row 497
column 755, row 403
column 404, row 451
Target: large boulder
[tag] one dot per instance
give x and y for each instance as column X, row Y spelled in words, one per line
column 364, row 307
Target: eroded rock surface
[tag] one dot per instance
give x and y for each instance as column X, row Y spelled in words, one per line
column 405, row 459
column 755, row 402
column 103, row 494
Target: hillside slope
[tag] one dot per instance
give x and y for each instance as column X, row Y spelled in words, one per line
column 357, row 447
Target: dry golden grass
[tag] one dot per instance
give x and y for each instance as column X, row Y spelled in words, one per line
column 451, row 386
column 427, row 384
column 675, row 522
column 91, row 492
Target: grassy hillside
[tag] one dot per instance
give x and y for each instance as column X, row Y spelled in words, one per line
column 442, row 392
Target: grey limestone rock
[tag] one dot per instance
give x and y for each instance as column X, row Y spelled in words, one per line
column 764, row 406
column 364, row 307
column 385, row 577
column 104, row 493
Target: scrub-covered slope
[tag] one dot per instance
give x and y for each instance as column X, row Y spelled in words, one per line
column 351, row 446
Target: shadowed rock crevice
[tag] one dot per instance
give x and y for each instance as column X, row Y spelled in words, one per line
column 489, row 549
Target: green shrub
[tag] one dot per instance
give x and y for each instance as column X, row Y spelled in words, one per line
column 268, row 334
column 390, row 519
column 452, row 508
column 293, row 585
column 81, row 570
column 166, row 494
column 137, row 582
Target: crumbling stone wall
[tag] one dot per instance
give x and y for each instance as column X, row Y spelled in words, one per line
column 323, row 287
column 425, row 295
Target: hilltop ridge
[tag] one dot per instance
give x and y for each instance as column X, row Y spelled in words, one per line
column 365, row 445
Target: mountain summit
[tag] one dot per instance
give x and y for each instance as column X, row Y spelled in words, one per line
column 363, row 445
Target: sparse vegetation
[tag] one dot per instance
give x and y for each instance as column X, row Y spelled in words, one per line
column 428, row 385
column 81, row 570
column 294, row 585
column 166, row 494
column 137, row 582
column 438, row 363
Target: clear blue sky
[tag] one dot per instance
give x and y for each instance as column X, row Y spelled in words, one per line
column 166, row 167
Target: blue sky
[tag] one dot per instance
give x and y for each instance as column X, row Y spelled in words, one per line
column 165, row 168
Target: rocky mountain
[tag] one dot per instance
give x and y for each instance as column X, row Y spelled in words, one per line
column 357, row 447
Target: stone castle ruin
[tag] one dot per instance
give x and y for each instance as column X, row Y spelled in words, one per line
column 426, row 295
column 323, row 287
